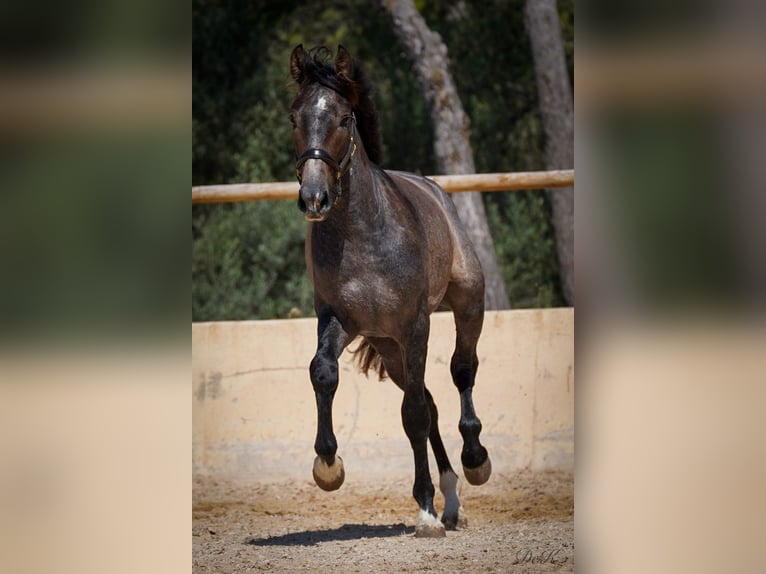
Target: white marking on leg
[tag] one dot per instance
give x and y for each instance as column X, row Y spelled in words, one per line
column 426, row 519
column 429, row 526
column 448, row 485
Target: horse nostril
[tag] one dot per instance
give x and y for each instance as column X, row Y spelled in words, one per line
column 324, row 203
column 301, row 204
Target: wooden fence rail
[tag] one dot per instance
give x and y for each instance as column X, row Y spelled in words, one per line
column 451, row 183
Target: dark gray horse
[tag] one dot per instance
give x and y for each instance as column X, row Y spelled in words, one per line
column 384, row 249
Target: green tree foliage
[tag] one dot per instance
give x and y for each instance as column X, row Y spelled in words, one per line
column 247, row 259
column 493, row 68
column 248, row 262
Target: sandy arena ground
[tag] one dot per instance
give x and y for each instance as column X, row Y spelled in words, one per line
column 521, row 522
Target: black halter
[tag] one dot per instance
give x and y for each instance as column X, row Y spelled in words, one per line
column 338, row 167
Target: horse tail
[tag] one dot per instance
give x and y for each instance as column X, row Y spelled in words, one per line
column 367, row 357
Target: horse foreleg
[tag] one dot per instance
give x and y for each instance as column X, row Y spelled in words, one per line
column 328, row 468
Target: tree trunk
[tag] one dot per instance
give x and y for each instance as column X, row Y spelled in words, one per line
column 452, row 146
column 555, row 98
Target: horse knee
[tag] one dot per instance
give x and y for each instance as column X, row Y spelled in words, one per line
column 324, row 374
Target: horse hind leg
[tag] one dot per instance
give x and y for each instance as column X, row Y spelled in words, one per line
column 469, row 317
column 453, row 517
column 416, row 419
column 419, row 418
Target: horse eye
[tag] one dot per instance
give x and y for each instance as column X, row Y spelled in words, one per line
column 345, row 121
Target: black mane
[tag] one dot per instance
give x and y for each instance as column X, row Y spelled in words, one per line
column 357, row 89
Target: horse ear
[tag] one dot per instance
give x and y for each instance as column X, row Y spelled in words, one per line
column 344, row 64
column 297, row 59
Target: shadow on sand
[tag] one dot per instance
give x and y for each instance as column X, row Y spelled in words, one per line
column 345, row 532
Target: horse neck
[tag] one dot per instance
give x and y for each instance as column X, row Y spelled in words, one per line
column 361, row 206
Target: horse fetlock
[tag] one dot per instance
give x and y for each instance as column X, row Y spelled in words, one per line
column 326, row 446
column 329, row 476
column 453, row 517
column 455, row 520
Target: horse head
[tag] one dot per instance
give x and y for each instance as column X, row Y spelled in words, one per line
column 324, row 129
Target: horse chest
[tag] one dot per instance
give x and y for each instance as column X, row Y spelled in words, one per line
column 366, row 292
column 359, row 291
column 371, row 278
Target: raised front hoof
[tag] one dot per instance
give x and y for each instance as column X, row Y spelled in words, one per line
column 329, row 477
column 480, row 474
column 456, row 521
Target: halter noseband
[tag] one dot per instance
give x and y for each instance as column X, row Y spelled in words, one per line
column 338, row 167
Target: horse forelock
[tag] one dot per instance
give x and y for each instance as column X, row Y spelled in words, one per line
column 357, row 89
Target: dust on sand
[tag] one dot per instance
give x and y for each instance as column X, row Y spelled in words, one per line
column 521, row 522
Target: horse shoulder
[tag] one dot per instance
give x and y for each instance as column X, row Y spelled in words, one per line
column 465, row 263
column 450, row 253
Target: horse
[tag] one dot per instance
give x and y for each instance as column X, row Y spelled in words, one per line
column 384, row 249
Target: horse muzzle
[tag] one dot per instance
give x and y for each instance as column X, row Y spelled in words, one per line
column 314, row 202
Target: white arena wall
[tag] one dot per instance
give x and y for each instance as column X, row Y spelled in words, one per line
column 254, row 415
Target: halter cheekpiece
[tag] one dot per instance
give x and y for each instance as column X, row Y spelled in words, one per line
column 339, row 167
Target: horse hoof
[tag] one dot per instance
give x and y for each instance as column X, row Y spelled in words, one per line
column 329, row 477
column 429, row 526
column 456, row 521
column 480, row 474
column 427, row 531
